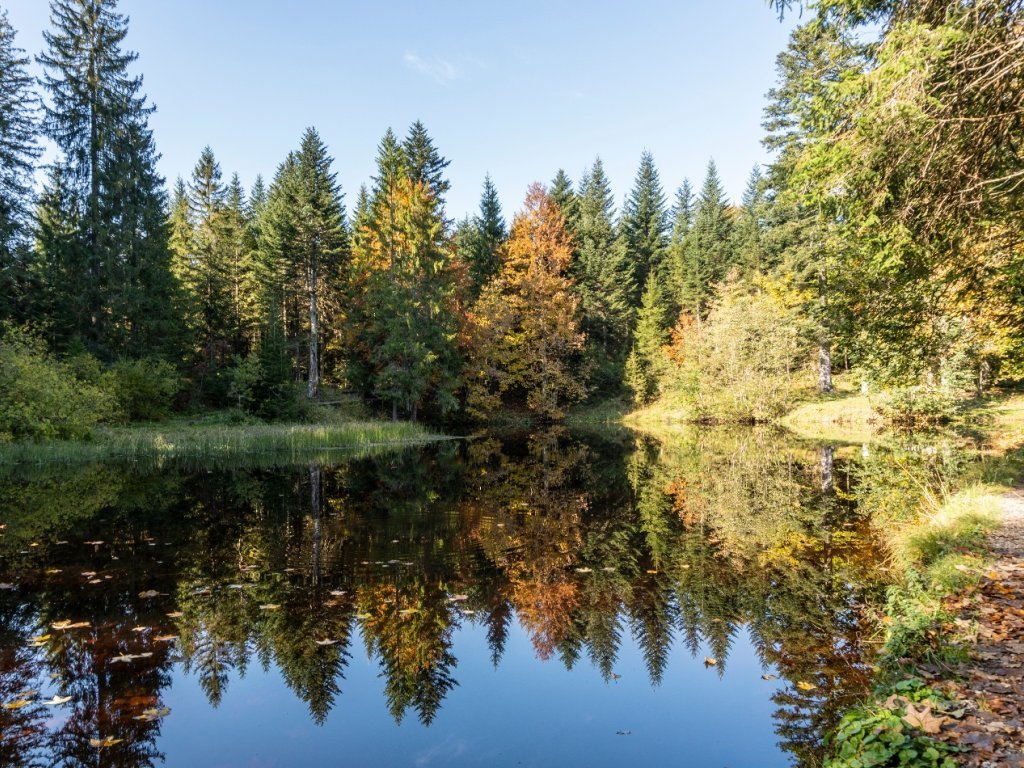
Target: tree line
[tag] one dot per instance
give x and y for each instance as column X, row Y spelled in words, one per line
column 885, row 238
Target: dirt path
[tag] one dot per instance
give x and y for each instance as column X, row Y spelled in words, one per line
column 992, row 682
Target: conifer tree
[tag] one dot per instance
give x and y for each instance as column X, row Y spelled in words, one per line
column 644, row 365
column 97, row 118
column 565, row 197
column 645, row 224
column 749, row 231
column 485, row 237
column 708, row 248
column 18, row 152
column 425, row 163
column 603, row 278
column 683, row 211
column 243, row 284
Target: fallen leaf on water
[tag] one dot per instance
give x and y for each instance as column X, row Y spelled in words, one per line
column 710, row 662
column 68, row 624
column 337, row 592
column 104, row 743
column 95, row 581
column 140, row 629
column 407, row 611
column 769, row 677
column 149, row 593
column 270, row 607
column 153, row 714
column 18, row 704
column 57, row 700
column 175, row 615
column 326, row 642
column 584, row 570
column 608, row 569
column 164, row 638
column 94, row 543
column 89, row 574
column 236, row 586
column 924, row 719
column 652, row 570
column 124, row 658
column 458, row 598
column 363, row 615
column 803, row 685
column 39, row 640
column 52, row 571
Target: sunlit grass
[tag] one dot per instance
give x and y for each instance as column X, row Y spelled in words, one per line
column 215, row 441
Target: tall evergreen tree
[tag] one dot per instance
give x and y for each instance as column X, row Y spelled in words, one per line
column 18, row 152
column 604, row 279
column 485, row 237
column 749, row 232
column 683, row 211
column 425, row 163
column 565, row 197
column 97, row 118
column 708, row 248
column 643, row 367
column 645, row 224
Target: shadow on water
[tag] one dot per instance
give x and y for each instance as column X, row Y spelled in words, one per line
column 118, row 585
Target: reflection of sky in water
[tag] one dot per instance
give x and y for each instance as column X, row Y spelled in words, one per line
column 526, row 712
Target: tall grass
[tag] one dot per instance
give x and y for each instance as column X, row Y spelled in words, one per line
column 215, row 442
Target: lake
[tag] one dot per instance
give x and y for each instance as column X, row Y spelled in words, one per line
column 555, row 598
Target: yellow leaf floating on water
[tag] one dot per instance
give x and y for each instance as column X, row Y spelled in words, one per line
column 140, row 629
column 104, row 743
column 153, row 714
column 337, row 592
column 363, row 615
column 56, row 701
column 803, row 685
column 37, row 641
column 270, row 607
column 68, row 624
column 53, row 571
column 326, row 642
column 94, row 543
column 149, row 593
column 164, row 638
column 175, row 615
column 584, row 570
column 18, row 704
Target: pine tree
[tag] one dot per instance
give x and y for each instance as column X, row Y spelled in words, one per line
column 708, row 248
column 243, row 284
column 565, row 197
column 97, row 118
column 645, row 224
column 486, row 236
column 526, row 327
column 18, row 152
column 603, row 278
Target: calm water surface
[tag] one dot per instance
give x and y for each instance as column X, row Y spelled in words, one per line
column 552, row 599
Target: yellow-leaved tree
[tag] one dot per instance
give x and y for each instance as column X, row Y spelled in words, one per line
column 524, row 328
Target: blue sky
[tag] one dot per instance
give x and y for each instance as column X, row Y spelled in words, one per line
column 515, row 89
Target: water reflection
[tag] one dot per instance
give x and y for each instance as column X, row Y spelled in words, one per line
column 114, row 582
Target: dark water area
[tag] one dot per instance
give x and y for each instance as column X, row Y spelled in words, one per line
column 548, row 599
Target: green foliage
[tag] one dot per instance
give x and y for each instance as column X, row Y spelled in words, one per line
column 40, row 398
column 143, row 389
column 644, row 225
column 262, row 383
column 707, row 250
column 918, row 405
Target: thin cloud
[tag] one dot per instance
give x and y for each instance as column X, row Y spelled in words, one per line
column 441, row 70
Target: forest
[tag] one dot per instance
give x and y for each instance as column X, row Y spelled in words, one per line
column 884, row 239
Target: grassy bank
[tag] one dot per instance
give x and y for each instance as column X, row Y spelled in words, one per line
column 935, row 557
column 199, row 441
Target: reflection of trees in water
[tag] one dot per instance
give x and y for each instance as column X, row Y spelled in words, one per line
column 680, row 543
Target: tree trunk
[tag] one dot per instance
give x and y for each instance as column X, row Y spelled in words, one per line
column 828, row 463
column 825, row 367
column 314, row 332
column 314, row 503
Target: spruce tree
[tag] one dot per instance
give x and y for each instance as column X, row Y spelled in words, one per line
column 708, row 247
column 485, row 238
column 565, row 197
column 644, row 366
column 683, row 211
column 749, row 232
column 18, row 152
column 604, row 280
column 425, row 163
column 97, row 118
column 645, row 224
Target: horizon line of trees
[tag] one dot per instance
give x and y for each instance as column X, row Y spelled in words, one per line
column 834, row 252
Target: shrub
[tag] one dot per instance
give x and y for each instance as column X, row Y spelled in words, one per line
column 917, row 405
column 41, row 398
column 143, row 389
column 262, row 382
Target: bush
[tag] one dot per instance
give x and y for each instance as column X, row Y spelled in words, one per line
column 143, row 389
column 42, row 398
column 744, row 361
column 262, row 383
column 917, row 405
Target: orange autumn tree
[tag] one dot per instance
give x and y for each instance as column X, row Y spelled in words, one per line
column 524, row 328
